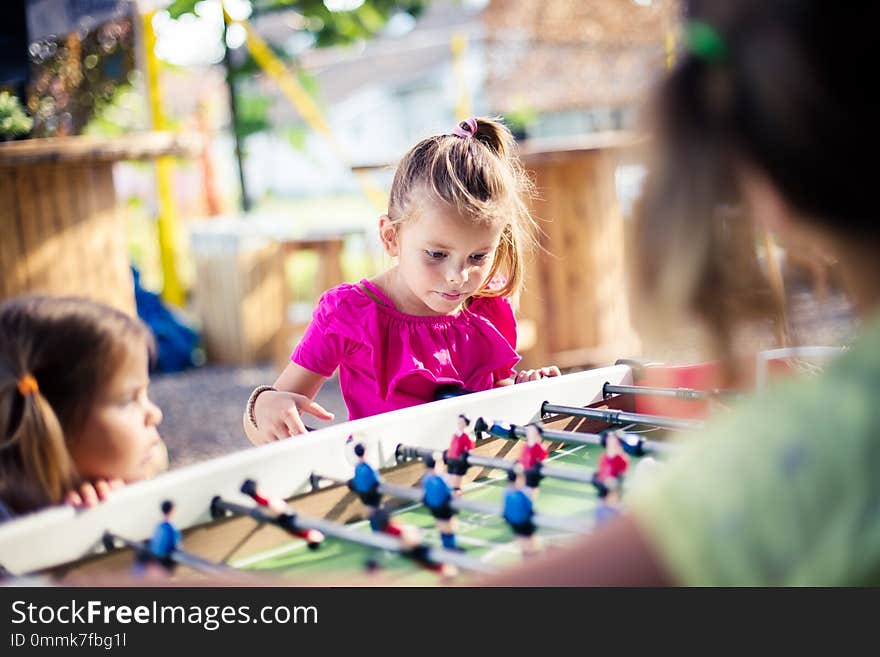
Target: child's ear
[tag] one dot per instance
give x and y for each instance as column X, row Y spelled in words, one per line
column 388, row 235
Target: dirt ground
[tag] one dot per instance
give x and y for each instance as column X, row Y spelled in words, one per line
column 203, row 409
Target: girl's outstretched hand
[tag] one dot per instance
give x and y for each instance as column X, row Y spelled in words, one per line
column 533, row 375
column 278, row 415
column 90, row 493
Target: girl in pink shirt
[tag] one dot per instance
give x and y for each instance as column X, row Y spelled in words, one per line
column 442, row 315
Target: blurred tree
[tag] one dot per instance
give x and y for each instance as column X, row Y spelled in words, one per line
column 252, row 111
column 14, row 122
column 331, row 22
column 76, row 76
column 324, row 22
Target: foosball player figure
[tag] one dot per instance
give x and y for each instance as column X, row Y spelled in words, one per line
column 531, row 457
column 456, row 453
column 382, row 522
column 165, row 539
column 278, row 508
column 437, row 497
column 412, row 539
column 518, row 512
column 609, row 502
column 366, row 480
column 612, row 463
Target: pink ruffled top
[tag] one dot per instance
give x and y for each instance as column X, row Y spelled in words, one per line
column 389, row 360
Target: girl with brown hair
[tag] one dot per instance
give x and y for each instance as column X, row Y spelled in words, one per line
column 443, row 314
column 75, row 418
column 769, row 112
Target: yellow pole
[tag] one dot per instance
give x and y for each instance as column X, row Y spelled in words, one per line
column 670, row 49
column 172, row 290
column 458, row 46
column 669, row 37
column 299, row 97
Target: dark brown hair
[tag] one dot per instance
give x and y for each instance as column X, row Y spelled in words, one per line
column 787, row 95
column 482, row 178
column 70, row 346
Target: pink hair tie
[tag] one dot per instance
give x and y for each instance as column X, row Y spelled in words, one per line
column 466, row 129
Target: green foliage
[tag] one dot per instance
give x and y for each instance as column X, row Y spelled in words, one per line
column 180, row 7
column 308, row 81
column 329, row 28
column 248, row 65
column 253, row 110
column 520, row 117
column 14, row 122
column 253, row 114
column 124, row 113
column 296, row 137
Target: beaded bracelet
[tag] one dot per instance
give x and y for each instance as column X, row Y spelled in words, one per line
column 252, row 401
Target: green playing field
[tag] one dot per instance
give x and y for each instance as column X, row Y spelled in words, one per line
column 485, row 537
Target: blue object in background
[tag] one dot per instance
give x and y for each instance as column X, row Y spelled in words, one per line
column 176, row 343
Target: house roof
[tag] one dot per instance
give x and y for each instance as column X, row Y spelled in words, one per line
column 388, row 60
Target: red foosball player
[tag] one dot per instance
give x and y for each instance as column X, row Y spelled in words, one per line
column 612, row 463
column 382, row 522
column 278, row 508
column 411, row 537
column 456, row 454
column 531, row 457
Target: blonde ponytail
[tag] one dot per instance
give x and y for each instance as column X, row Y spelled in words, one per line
column 477, row 171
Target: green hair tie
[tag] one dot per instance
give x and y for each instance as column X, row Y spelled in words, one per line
column 704, row 41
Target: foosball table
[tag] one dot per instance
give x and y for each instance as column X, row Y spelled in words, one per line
column 290, row 510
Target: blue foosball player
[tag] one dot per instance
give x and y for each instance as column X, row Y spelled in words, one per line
column 165, row 539
column 366, row 480
column 609, row 502
column 438, row 497
column 518, row 513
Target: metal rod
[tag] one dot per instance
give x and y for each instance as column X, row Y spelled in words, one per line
column 632, row 443
column 415, row 495
column 515, row 432
column 508, row 465
column 373, row 540
column 621, row 417
column 686, row 394
column 177, row 555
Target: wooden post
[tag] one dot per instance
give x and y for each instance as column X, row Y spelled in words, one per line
column 576, row 287
column 61, row 232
